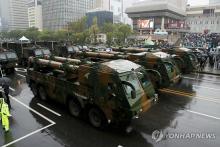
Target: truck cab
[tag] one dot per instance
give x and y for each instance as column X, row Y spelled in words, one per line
column 8, row 60
column 190, row 60
column 160, row 62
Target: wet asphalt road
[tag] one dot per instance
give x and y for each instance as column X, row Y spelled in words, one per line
column 193, row 106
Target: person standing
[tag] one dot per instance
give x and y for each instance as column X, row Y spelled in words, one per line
column 4, row 114
column 5, row 86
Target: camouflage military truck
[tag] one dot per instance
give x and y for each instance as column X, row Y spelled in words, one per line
column 26, row 50
column 8, row 60
column 107, row 92
column 46, row 44
column 190, row 60
column 65, row 50
column 162, row 71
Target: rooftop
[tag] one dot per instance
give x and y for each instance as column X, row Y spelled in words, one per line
column 122, row 66
column 149, row 6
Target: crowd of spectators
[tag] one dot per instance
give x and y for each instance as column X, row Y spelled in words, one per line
column 205, row 41
column 201, row 40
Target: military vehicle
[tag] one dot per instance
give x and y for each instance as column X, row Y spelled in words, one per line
column 26, row 50
column 65, row 50
column 46, row 44
column 190, row 60
column 162, row 70
column 107, row 92
column 8, row 60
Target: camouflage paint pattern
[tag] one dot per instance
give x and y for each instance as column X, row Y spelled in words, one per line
column 147, row 60
column 8, row 59
column 92, row 85
column 190, row 63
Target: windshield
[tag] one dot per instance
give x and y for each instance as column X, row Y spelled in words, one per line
column 38, row 53
column 144, row 79
column 133, row 80
column 169, row 67
column 2, row 57
column 11, row 55
column 70, row 49
column 46, row 52
column 192, row 58
column 76, row 49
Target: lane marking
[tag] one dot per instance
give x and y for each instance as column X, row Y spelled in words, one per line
column 48, row 109
column 21, row 75
column 12, row 89
column 191, row 96
column 202, row 114
column 34, row 132
column 41, row 115
column 21, row 69
column 28, row 135
column 207, row 87
column 206, row 80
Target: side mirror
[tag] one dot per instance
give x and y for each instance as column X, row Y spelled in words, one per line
column 133, row 94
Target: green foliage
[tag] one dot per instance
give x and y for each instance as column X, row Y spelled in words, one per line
column 32, row 34
column 76, row 32
column 94, row 30
column 108, row 27
column 78, row 26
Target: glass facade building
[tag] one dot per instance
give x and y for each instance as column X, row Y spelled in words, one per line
column 13, row 15
column 58, row 13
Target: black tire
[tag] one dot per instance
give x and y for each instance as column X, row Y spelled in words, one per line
column 34, row 90
column 97, row 118
column 42, row 94
column 74, row 107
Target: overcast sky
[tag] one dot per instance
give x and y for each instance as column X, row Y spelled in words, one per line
column 198, row 2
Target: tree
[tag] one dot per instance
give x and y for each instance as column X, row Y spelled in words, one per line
column 15, row 34
column 110, row 37
column 46, row 35
column 108, row 27
column 94, row 30
column 78, row 26
column 61, row 35
column 32, row 33
column 125, row 30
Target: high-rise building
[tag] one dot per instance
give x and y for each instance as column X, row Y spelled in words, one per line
column 13, row 15
column 158, row 15
column 213, row 2
column 35, row 14
column 58, row 13
column 116, row 6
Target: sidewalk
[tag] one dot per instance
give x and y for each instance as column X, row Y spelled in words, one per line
column 209, row 70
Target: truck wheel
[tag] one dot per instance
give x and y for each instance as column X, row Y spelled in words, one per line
column 34, row 89
column 74, row 107
column 97, row 118
column 42, row 94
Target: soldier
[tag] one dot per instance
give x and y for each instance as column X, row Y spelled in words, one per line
column 4, row 114
column 5, row 86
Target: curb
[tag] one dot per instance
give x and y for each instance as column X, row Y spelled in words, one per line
column 209, row 73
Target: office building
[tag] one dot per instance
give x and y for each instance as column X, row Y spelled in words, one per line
column 213, row 2
column 164, row 15
column 13, row 15
column 116, row 6
column 35, row 14
column 101, row 15
column 204, row 19
column 58, row 13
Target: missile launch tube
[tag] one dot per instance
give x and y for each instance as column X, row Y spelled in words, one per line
column 102, row 55
column 54, row 64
